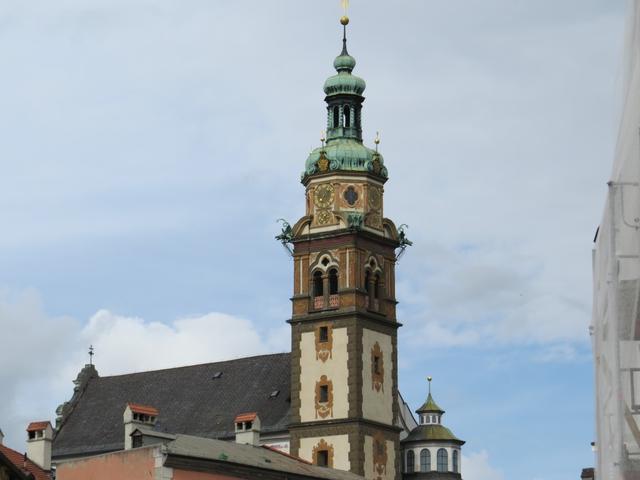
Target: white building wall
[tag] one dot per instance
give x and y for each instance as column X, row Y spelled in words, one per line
column 615, row 326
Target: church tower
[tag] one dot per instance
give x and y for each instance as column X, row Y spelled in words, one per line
column 344, row 384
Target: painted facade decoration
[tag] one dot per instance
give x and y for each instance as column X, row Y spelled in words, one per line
column 324, row 342
column 324, row 397
column 380, row 456
column 323, row 448
column 377, row 368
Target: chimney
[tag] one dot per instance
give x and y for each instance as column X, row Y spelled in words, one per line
column 1, row 437
column 40, row 435
column 248, row 429
column 137, row 416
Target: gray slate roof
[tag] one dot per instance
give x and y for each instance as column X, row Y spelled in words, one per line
column 258, row 457
column 189, row 401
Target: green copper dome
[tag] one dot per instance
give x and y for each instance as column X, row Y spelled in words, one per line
column 346, row 154
column 432, row 433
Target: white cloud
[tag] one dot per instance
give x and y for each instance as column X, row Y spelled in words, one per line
column 475, row 466
column 41, row 355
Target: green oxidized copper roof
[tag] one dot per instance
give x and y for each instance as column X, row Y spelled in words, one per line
column 438, row 433
column 430, row 406
column 344, row 81
column 346, row 154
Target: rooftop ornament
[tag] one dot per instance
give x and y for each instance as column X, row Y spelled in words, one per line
column 404, row 242
column 286, row 236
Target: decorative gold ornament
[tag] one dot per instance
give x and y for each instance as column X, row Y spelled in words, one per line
column 323, row 163
column 324, row 195
column 344, row 20
column 377, row 166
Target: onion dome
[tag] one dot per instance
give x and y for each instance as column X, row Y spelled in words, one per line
column 344, row 150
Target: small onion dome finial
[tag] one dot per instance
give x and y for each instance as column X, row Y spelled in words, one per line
column 344, row 20
column 429, row 379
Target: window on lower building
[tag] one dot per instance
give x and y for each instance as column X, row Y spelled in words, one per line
column 410, row 462
column 323, row 458
column 425, row 460
column 443, row 460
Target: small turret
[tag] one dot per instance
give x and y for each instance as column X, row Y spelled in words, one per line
column 431, row 448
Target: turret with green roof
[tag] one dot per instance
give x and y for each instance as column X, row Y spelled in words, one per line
column 431, row 450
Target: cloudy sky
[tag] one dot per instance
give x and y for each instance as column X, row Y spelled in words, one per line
column 147, row 148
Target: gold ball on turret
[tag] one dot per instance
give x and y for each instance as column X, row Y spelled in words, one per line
column 344, row 20
column 429, row 378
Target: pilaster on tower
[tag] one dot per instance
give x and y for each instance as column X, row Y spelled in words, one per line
column 344, row 327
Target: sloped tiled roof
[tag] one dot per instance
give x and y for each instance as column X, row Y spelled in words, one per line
column 18, row 459
column 200, row 400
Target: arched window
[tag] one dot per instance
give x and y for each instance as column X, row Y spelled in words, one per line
column 333, row 281
column 367, row 275
column 425, row 460
column 410, row 462
column 454, row 460
column 443, row 460
column 317, row 284
column 347, row 116
column 376, row 286
column 336, row 116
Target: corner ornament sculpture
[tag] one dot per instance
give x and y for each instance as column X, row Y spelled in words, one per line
column 286, row 236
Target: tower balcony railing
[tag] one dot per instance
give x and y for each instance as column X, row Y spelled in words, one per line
column 372, row 304
column 333, row 301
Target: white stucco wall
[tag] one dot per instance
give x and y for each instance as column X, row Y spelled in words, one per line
column 376, row 405
column 335, row 368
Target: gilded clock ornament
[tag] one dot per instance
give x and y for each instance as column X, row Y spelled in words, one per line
column 375, row 198
column 324, row 217
column 324, row 195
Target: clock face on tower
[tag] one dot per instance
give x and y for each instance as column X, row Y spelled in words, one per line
column 324, row 195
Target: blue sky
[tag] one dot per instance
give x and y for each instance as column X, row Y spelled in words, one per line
column 147, row 149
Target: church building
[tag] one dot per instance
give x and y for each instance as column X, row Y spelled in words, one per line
column 334, row 400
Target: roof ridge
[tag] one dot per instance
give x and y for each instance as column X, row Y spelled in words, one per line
column 196, row 365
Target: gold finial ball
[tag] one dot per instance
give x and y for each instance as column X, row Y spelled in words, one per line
column 429, row 378
column 344, row 20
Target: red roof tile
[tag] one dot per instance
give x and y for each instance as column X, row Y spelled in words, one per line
column 35, row 426
column 144, row 409
column 17, row 459
column 246, row 417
